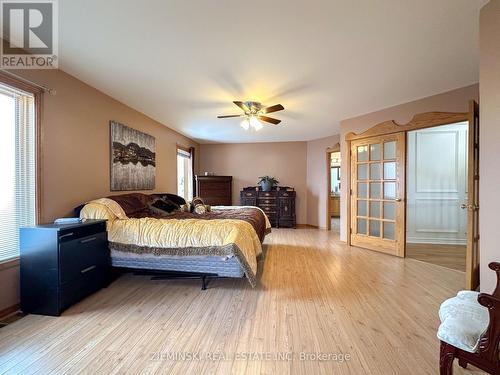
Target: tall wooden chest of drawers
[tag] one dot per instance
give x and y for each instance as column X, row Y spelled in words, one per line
column 215, row 190
column 278, row 204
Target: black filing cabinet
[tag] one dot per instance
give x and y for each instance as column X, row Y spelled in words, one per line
column 62, row 264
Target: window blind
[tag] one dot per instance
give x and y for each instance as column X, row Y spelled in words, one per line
column 17, row 157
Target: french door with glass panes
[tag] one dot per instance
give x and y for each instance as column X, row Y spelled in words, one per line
column 377, row 193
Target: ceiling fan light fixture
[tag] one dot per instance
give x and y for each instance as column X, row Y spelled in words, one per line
column 245, row 124
column 253, row 114
column 255, row 123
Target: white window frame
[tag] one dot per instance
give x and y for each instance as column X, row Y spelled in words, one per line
column 21, row 87
column 184, row 174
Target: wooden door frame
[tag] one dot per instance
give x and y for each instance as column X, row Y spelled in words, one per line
column 329, row 151
column 419, row 121
column 472, row 261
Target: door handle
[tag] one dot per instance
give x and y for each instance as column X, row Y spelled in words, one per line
column 398, row 199
column 470, row 207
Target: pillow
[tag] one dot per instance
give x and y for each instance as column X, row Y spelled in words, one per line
column 97, row 211
column 202, row 209
column 198, row 206
column 163, row 206
column 131, row 203
column 171, row 197
column 199, row 209
column 78, row 209
column 196, row 201
column 112, row 206
column 186, row 207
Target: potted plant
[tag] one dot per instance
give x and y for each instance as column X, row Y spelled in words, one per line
column 267, row 183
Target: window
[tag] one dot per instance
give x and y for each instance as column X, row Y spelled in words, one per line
column 335, row 172
column 184, row 174
column 17, row 155
column 335, row 180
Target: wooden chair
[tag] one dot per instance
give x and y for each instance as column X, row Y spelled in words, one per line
column 470, row 330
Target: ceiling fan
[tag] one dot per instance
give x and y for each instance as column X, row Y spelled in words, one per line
column 254, row 113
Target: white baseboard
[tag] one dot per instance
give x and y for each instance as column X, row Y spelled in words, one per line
column 437, row 241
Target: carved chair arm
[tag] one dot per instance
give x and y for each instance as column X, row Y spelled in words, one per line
column 495, row 266
column 489, row 341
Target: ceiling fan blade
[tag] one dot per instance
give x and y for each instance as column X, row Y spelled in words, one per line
column 242, row 105
column 230, row 116
column 269, row 119
column 271, row 109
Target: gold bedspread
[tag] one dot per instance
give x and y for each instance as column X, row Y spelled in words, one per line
column 201, row 237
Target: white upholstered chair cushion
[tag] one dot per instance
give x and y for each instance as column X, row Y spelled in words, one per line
column 463, row 321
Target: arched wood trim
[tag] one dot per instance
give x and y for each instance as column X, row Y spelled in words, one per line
column 419, row 121
column 334, row 148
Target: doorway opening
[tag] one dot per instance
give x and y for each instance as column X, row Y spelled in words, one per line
column 379, row 164
column 436, row 195
column 333, row 206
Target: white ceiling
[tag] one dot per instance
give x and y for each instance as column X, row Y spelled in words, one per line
column 183, row 62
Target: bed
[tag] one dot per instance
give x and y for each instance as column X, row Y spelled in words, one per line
column 225, row 242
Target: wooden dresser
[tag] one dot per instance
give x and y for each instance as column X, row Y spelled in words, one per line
column 278, row 204
column 215, row 190
column 334, row 206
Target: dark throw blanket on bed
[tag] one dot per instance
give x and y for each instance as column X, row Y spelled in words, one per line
column 253, row 216
column 136, row 205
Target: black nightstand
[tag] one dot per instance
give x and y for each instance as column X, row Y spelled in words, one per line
column 62, row 264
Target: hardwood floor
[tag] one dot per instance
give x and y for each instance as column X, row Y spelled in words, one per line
column 315, row 295
column 449, row 256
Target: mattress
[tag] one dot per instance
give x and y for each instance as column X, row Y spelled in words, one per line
column 218, row 265
column 225, row 245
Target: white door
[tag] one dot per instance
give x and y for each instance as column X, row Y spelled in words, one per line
column 437, row 185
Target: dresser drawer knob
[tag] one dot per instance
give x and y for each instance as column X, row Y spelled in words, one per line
column 85, row 270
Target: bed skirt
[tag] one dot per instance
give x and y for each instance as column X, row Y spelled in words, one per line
column 218, row 265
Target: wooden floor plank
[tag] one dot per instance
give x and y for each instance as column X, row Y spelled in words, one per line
column 449, row 256
column 315, row 296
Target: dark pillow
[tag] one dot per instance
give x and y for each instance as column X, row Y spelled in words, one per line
column 163, row 206
column 171, row 197
column 132, row 202
column 78, row 209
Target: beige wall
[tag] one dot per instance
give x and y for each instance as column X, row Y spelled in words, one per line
column 287, row 161
column 317, row 180
column 75, row 143
column 298, row 164
column 451, row 101
column 489, row 197
column 75, row 150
